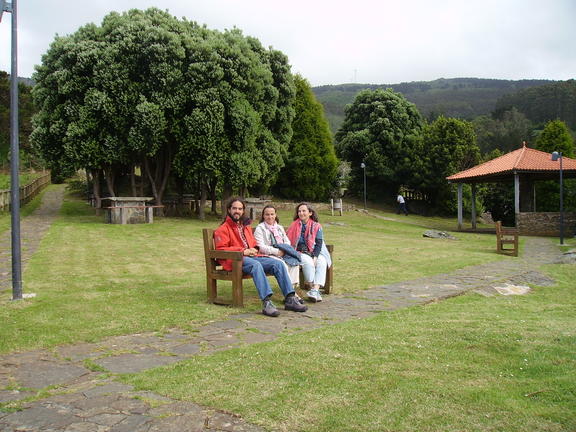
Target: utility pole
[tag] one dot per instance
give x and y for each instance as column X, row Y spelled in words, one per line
column 14, row 155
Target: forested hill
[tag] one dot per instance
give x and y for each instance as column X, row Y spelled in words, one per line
column 464, row 98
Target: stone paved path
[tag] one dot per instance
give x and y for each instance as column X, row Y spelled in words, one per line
column 32, row 229
column 78, row 399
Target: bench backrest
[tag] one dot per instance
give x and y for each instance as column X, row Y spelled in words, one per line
column 208, row 235
column 498, row 228
column 504, row 231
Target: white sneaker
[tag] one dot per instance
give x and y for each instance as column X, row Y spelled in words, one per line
column 314, row 295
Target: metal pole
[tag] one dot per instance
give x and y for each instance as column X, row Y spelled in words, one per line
column 14, row 164
column 561, row 204
column 365, row 189
column 363, row 166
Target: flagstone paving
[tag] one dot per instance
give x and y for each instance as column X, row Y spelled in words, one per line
column 80, row 399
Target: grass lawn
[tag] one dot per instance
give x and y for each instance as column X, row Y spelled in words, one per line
column 94, row 280
column 466, row 364
column 470, row 363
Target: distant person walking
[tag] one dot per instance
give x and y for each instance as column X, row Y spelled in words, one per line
column 401, row 205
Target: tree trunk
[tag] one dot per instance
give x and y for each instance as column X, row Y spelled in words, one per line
column 226, row 194
column 133, row 179
column 149, row 176
column 96, row 188
column 142, row 184
column 166, row 174
column 212, row 184
column 109, row 175
column 202, row 204
column 197, row 199
column 161, row 174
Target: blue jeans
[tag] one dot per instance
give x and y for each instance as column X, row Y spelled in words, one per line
column 259, row 267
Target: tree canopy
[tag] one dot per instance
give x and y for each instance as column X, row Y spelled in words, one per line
column 450, row 147
column 168, row 95
column 311, row 166
column 383, row 130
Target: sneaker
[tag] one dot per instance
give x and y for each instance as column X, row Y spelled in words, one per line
column 269, row 309
column 292, row 303
column 314, row 295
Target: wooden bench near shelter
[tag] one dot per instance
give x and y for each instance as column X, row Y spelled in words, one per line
column 214, row 272
column 506, row 236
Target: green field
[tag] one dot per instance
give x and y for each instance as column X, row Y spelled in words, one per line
column 470, row 363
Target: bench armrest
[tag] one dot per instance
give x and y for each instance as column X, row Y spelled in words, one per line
column 222, row 254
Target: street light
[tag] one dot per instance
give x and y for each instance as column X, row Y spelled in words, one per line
column 14, row 156
column 363, row 166
column 555, row 156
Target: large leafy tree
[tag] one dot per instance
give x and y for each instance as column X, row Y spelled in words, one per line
column 98, row 88
column 383, row 130
column 240, row 125
column 450, row 147
column 311, row 167
column 147, row 89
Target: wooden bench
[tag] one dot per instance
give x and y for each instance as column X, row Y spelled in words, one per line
column 506, row 236
column 214, row 272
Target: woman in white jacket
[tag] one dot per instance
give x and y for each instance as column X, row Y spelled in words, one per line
column 270, row 232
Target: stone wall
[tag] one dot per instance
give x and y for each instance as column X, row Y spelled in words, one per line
column 546, row 223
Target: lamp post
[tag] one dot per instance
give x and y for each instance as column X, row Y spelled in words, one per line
column 558, row 156
column 14, row 156
column 363, row 166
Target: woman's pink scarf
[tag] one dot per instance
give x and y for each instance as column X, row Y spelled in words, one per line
column 275, row 232
column 295, row 229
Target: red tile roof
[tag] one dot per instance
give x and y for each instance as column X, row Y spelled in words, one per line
column 524, row 159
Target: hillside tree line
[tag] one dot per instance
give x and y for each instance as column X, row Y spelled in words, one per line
column 400, row 149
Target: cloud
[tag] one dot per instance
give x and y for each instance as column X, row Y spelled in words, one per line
column 372, row 41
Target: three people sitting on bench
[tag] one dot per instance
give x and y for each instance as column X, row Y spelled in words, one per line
column 235, row 234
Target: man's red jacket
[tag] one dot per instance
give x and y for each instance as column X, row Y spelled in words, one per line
column 227, row 237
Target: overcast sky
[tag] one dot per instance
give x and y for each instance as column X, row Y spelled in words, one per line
column 363, row 41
